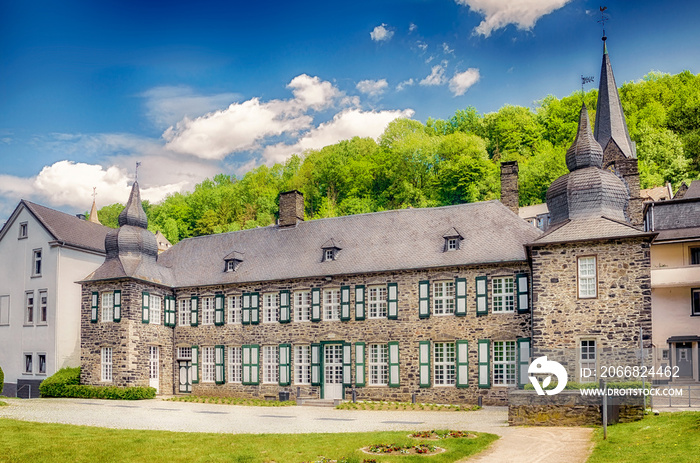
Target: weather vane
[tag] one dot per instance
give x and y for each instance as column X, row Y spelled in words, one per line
column 94, row 192
column 602, row 20
column 137, row 170
column 585, row 80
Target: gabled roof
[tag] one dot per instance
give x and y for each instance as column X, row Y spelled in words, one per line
column 64, row 228
column 586, row 229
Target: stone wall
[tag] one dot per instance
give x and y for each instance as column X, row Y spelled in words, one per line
column 509, row 185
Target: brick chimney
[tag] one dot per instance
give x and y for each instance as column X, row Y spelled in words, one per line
column 291, row 208
column 509, row 185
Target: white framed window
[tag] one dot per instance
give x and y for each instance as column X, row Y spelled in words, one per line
column 208, row 311
column 5, row 309
column 208, row 364
column 302, row 364
column 155, row 309
column 504, row 363
column 302, row 306
column 271, row 360
column 664, row 354
column 108, row 306
column 36, row 263
column 23, row 227
column 183, row 312
column 29, row 308
column 235, row 364
column 452, row 244
column 271, row 307
column 444, row 360
column 378, row 364
column 234, row 309
column 328, row 254
column 106, row 364
column 28, row 364
column 43, row 307
column 695, row 301
column 331, row 304
column 42, row 364
column 444, row 297
column 587, row 360
column 376, row 302
column 184, row 353
column 230, row 265
column 587, row 285
column 503, row 294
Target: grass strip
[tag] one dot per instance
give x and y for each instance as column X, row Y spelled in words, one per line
column 400, row 406
column 232, row 401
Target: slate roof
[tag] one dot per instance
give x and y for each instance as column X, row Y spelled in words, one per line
column 587, row 229
column 66, row 228
column 693, row 190
column 376, row 242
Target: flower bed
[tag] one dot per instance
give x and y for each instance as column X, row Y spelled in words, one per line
column 397, row 449
column 435, row 435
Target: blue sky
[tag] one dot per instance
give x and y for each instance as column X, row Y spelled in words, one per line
column 192, row 89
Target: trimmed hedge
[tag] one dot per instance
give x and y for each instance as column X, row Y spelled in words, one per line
column 66, row 383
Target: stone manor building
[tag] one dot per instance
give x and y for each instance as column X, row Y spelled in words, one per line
column 448, row 303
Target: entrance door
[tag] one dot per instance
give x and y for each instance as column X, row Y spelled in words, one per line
column 185, row 379
column 333, row 371
column 684, row 359
column 154, row 368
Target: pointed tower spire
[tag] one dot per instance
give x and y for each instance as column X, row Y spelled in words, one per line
column 585, row 150
column 133, row 214
column 609, row 117
column 93, row 210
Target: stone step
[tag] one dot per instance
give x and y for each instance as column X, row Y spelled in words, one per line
column 318, row 402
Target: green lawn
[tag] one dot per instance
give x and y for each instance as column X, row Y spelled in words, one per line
column 60, row 442
column 667, row 437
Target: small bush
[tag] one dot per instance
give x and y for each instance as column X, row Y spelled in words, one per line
column 2, row 380
column 66, row 383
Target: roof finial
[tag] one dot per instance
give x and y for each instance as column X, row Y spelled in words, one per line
column 602, row 20
column 93, row 210
column 136, row 178
column 94, row 193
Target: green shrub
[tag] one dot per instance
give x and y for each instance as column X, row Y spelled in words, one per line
column 594, row 385
column 66, row 383
column 2, row 380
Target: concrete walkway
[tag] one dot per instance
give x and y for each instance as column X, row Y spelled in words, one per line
column 516, row 444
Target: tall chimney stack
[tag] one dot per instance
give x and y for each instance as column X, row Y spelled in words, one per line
column 509, row 185
column 291, row 210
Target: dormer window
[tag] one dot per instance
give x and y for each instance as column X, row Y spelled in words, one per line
column 330, row 250
column 452, row 244
column 452, row 240
column 230, row 265
column 328, row 254
column 233, row 261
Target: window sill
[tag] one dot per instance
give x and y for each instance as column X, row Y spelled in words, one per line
column 27, row 374
column 28, row 324
column 505, row 385
column 377, row 385
column 443, row 314
column 503, row 312
column 36, row 276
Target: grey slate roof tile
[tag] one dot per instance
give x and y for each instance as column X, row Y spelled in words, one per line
column 589, row 229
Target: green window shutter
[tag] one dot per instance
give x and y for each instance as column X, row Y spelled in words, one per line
column 462, row 363
column 521, row 287
column 219, row 309
column 315, row 364
column 523, row 361
column 347, row 364
column 195, row 364
column 245, row 313
column 117, row 305
column 392, row 292
column 423, row 299
column 254, row 364
column 166, row 311
column 172, row 310
column 394, row 376
column 359, row 302
column 482, row 300
column 285, row 365
column 254, row 308
column 245, row 362
column 285, row 314
column 484, row 355
column 359, row 364
column 94, row 304
column 424, row 363
column 345, row 303
column 461, row 297
column 194, row 311
column 315, row 304
column 219, row 375
column 145, row 300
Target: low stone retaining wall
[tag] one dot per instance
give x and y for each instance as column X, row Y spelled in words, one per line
column 570, row 408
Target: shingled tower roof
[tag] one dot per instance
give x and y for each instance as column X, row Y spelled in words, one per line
column 609, row 117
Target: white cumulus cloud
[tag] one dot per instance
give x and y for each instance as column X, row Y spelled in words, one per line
column 381, row 33
column 404, row 84
column 499, row 13
column 461, row 81
column 372, row 87
column 436, row 77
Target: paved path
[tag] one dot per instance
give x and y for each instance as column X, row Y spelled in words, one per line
column 553, row 445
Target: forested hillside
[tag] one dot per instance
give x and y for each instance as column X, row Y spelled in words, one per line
column 443, row 162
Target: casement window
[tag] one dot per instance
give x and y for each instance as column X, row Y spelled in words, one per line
column 156, row 305
column 42, row 364
column 106, row 364
column 695, row 256
column 451, row 244
column 444, row 364
column 5, row 309
column 331, row 304
column 328, row 254
column 184, row 353
column 695, row 300
column 504, row 363
column 108, row 306
column 183, row 312
column 587, row 360
column 302, row 365
column 29, row 308
column 503, row 294
column 23, row 230
column 43, row 307
column 378, row 364
column 376, row 302
column 285, row 365
column 207, row 310
column 36, row 263
column 587, row 279
column 234, row 309
column 208, row 364
column 28, row 364
column 271, row 309
column 270, row 364
column 235, row 365
column 443, row 297
column 302, row 306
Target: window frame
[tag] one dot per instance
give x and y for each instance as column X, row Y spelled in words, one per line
column 270, row 311
column 43, row 311
column 333, row 305
column 444, row 367
column 694, row 255
column 378, row 364
column 502, row 296
column 374, row 307
column 156, row 309
column 235, row 364
column 234, row 309
column 109, row 309
column 271, row 362
column 23, row 231
column 580, row 278
column 585, row 363
column 29, row 308
column 443, row 298
column 41, row 365
column 106, row 365
column 183, row 311
column 28, row 364
column 451, row 244
column 328, row 254
column 37, row 262
column 695, row 302
column 302, row 310
column 208, row 310
column 505, row 364
column 302, row 365
column 208, row 364
column 4, row 309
